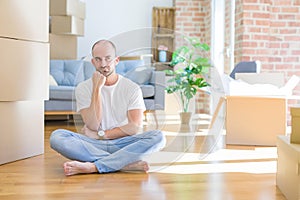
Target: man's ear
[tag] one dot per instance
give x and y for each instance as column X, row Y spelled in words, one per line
column 93, row 61
column 117, row 59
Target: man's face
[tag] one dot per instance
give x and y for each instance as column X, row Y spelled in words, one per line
column 104, row 58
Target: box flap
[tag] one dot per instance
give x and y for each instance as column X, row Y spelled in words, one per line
column 276, row 79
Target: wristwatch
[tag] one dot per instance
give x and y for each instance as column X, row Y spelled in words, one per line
column 101, row 134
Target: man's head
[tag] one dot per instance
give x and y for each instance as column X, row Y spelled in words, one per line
column 104, row 57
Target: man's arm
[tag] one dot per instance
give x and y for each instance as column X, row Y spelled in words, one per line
column 135, row 119
column 93, row 114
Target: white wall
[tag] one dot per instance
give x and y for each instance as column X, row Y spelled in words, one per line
column 127, row 23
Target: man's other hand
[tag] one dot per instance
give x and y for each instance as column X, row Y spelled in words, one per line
column 89, row 133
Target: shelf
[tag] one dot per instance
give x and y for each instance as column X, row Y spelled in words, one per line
column 163, row 24
column 162, row 63
column 163, row 35
column 161, row 66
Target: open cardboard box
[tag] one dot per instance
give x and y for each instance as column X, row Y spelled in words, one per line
column 257, row 119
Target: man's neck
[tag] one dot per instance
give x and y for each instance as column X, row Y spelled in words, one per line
column 112, row 79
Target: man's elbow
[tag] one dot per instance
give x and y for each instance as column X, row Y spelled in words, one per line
column 136, row 127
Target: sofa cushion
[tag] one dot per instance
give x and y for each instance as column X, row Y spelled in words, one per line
column 60, row 105
column 61, row 92
column 67, row 72
column 147, row 90
column 140, row 75
column 126, row 65
column 88, row 70
column 52, row 81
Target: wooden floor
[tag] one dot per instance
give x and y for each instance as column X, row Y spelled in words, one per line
column 42, row 177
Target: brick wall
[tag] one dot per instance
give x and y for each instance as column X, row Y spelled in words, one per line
column 252, row 31
column 193, row 19
column 269, row 31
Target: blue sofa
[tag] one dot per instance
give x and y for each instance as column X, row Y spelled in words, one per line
column 65, row 75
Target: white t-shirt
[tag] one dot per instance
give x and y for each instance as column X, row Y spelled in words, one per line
column 117, row 99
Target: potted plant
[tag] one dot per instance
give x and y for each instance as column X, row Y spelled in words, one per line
column 188, row 78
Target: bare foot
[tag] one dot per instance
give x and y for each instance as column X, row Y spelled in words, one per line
column 75, row 167
column 137, row 166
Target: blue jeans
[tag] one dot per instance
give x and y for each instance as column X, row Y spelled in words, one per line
column 107, row 155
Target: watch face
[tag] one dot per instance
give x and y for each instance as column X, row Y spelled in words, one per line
column 101, row 133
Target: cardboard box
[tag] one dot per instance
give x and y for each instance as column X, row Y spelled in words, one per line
column 295, row 135
column 25, row 20
column 288, row 168
column 256, row 108
column 81, row 10
column 67, row 25
column 22, row 130
column 255, row 120
column 63, row 47
column 24, row 70
column 68, row 7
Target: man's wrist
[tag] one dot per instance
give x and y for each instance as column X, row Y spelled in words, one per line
column 101, row 135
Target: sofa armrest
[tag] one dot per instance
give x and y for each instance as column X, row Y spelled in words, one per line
column 158, row 79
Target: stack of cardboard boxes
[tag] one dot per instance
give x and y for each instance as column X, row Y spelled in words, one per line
column 24, row 69
column 66, row 24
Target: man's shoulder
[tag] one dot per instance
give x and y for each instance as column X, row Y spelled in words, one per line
column 84, row 84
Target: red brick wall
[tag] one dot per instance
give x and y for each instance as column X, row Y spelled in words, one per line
column 269, row 31
column 192, row 19
column 253, row 31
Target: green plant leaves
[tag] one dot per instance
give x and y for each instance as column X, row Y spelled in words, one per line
column 179, row 55
column 202, row 46
column 169, row 72
column 188, row 79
